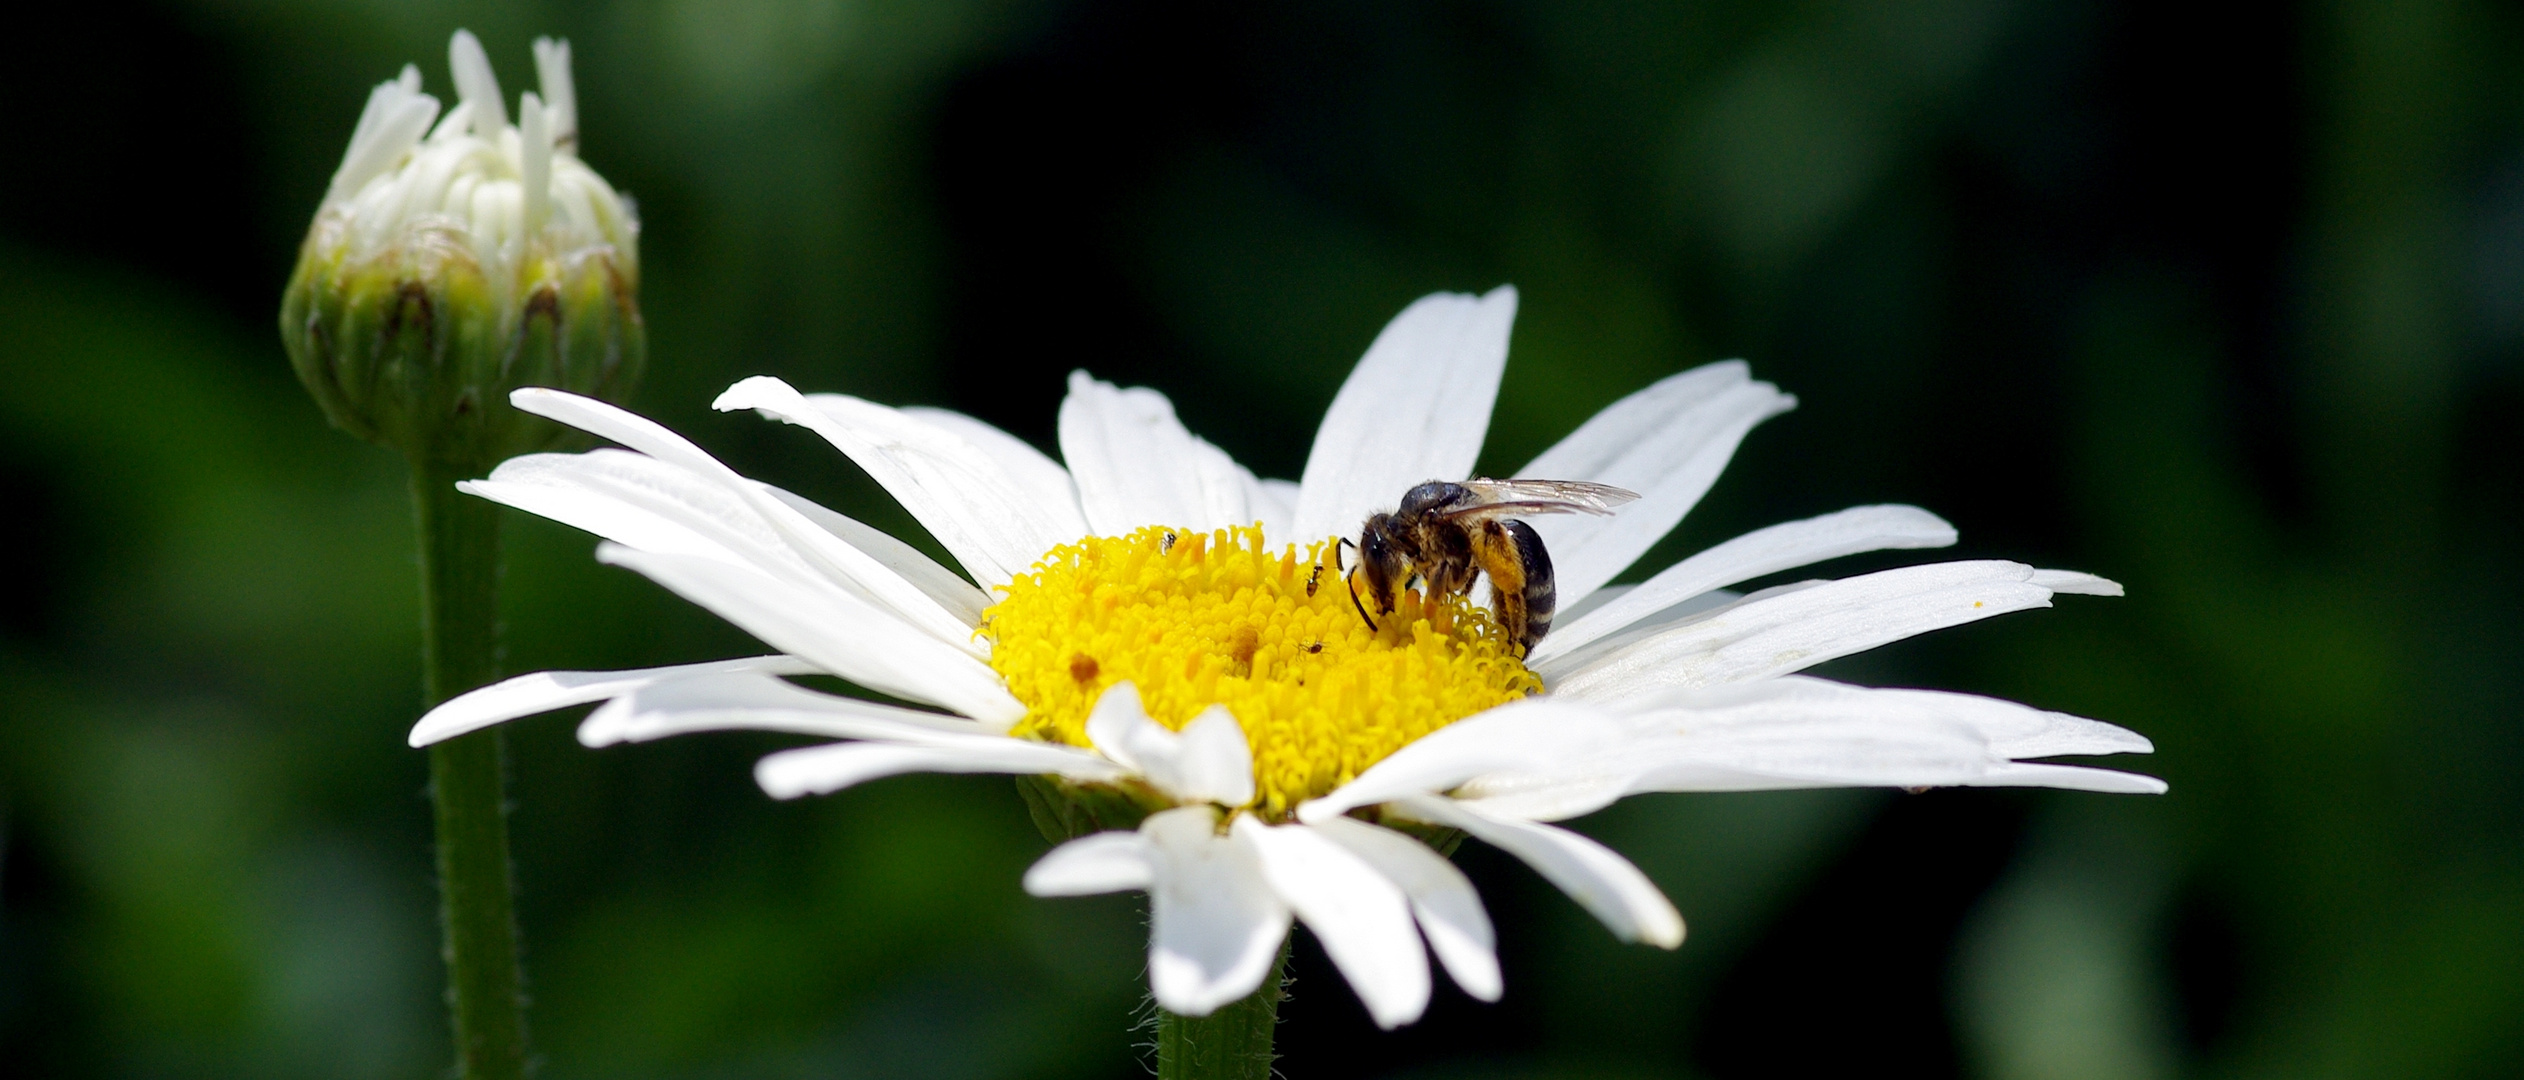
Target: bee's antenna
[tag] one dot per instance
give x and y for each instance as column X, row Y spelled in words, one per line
column 1337, row 543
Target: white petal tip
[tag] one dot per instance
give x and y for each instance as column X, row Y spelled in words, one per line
column 1106, row 862
column 2070, row 581
column 1665, row 937
column 532, row 399
column 780, row 778
column 1390, row 1021
column 599, row 730
column 752, row 392
column 1180, row 987
column 429, row 732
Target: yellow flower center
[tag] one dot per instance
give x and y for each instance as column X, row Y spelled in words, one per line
column 1197, row 619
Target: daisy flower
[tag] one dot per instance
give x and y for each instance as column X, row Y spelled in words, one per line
column 1166, row 646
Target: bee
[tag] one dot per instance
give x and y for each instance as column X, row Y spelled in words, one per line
column 1446, row 534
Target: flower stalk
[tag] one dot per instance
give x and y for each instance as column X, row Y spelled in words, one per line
column 1233, row 1043
column 460, row 551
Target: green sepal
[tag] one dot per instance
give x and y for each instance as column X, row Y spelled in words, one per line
column 1065, row 810
column 416, row 349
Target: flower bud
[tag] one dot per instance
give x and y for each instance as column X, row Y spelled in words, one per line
column 450, row 264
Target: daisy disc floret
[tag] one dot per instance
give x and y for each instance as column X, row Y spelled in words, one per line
column 1158, row 636
column 457, row 257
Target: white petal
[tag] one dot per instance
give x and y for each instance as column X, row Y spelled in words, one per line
column 835, row 630
column 1209, row 761
column 393, row 122
column 954, row 594
column 1763, row 551
column 1136, row 465
column 1415, row 409
column 1797, row 732
column 552, row 71
column 1275, row 502
column 958, row 493
column 1598, row 600
column 822, row 770
column 1442, row 898
column 534, row 172
column 2067, row 778
column 1034, row 473
column 1104, row 862
column 1363, row 920
column 1118, row 725
column 1522, row 734
column 543, row 485
column 545, row 691
column 1600, row 881
column 1778, row 631
column 2011, row 729
column 1215, row 925
column 821, row 549
column 652, row 505
column 2070, row 581
column 756, row 701
column 1557, row 795
column 954, row 488
column 1668, row 442
column 1837, row 753
column 475, row 83
column 1213, row 761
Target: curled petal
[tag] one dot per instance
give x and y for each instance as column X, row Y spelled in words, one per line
column 1363, row 920
column 1215, row 925
column 1600, row 881
column 545, row 691
column 1442, row 899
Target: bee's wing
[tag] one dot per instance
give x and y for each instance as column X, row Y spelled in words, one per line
column 1502, row 498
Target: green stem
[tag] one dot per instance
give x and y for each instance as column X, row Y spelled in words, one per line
column 460, row 556
column 1233, row 1043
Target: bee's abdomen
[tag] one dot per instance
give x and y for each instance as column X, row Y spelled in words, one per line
column 1542, row 594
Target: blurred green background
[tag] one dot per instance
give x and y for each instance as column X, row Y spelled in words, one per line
column 2226, row 303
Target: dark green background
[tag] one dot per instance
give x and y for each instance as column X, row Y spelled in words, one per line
column 2226, row 303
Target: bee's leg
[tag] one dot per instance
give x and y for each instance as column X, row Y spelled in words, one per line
column 1494, row 553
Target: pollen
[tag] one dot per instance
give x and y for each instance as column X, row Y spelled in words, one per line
column 1196, row 620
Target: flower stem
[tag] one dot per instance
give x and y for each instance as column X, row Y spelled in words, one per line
column 460, row 555
column 1233, row 1043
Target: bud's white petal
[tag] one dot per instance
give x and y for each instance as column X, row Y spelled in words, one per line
column 560, row 93
column 475, row 83
column 534, row 163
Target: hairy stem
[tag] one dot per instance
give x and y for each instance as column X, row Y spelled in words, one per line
column 1233, row 1043
column 460, row 555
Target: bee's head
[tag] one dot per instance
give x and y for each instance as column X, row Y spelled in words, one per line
column 1381, row 558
